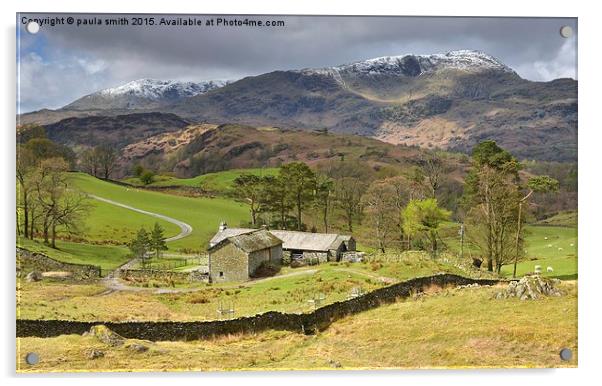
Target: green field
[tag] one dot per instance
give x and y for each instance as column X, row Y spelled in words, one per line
column 106, row 256
column 112, row 224
column 203, row 214
column 553, row 246
column 214, row 182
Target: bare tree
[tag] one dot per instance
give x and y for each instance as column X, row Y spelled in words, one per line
column 379, row 204
column 434, row 171
column 350, row 179
column 89, row 162
column 25, row 167
column 57, row 204
column 107, row 156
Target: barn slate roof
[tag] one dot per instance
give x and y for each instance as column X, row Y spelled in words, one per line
column 228, row 232
column 256, row 240
column 306, row 241
column 320, row 242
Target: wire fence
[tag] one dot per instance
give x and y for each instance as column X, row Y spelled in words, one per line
column 171, row 263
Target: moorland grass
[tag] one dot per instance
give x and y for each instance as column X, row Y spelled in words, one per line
column 454, row 328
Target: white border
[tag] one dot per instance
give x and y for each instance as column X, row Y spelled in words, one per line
column 590, row 137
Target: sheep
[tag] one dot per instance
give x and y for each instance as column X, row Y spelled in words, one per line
column 545, row 238
column 537, row 269
column 572, row 245
column 549, row 245
column 550, row 269
column 560, row 249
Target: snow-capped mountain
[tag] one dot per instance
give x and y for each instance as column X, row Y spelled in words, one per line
column 416, row 65
column 144, row 94
column 448, row 101
column 154, row 89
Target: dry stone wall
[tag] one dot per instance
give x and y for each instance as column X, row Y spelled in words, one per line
column 28, row 261
column 307, row 323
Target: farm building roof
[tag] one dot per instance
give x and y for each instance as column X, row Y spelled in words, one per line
column 253, row 241
column 290, row 239
column 306, row 240
column 228, row 232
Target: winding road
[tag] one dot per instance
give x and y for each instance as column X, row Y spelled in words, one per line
column 185, row 229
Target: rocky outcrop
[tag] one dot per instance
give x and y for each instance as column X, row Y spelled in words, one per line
column 531, row 287
column 106, row 336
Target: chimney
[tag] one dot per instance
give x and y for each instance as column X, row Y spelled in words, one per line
column 223, row 226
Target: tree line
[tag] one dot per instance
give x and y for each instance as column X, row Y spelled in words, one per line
column 45, row 203
column 403, row 209
column 398, row 207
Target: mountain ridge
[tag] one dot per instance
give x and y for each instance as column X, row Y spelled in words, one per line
column 449, row 101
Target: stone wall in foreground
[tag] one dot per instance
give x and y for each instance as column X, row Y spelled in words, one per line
column 307, row 323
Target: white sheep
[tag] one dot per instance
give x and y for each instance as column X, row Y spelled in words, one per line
column 550, row 269
column 572, row 245
column 537, row 269
column 549, row 245
column 560, row 249
column 545, row 238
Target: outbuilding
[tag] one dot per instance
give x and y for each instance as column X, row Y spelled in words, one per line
column 312, row 247
column 237, row 257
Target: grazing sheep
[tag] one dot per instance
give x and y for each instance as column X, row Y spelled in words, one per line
column 572, row 245
column 537, row 269
column 549, row 245
column 545, row 238
column 550, row 269
column 560, row 249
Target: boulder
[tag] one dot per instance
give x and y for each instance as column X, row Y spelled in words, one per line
column 33, row 276
column 530, row 287
column 136, row 347
column 106, row 336
column 94, row 354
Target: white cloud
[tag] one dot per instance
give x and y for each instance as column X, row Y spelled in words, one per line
column 562, row 65
column 56, row 82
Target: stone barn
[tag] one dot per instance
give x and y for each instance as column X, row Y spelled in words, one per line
column 237, row 257
column 298, row 245
column 317, row 246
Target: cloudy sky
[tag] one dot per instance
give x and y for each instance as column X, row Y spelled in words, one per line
column 62, row 63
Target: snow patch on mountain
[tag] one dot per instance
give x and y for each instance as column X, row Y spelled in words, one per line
column 416, row 65
column 153, row 89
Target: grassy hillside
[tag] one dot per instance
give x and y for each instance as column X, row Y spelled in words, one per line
column 108, row 223
column 106, row 256
column 219, row 182
column 454, row 328
column 209, row 149
column 566, row 219
column 203, row 214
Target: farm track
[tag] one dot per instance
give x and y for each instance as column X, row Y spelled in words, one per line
column 185, row 229
column 113, row 284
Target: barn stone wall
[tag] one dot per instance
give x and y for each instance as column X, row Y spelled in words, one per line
column 271, row 255
column 231, row 262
